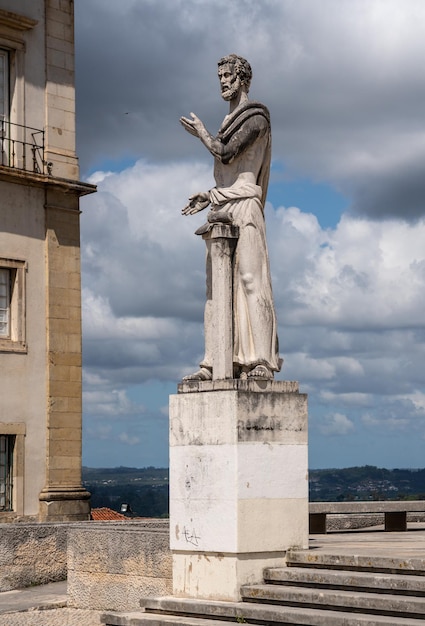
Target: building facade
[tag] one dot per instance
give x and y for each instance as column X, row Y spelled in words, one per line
column 40, row 292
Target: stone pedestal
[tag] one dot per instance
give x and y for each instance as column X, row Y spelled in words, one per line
column 238, row 483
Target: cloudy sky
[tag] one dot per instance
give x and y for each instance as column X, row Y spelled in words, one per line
column 345, row 215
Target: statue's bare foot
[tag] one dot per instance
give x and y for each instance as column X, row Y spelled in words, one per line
column 261, row 372
column 202, row 374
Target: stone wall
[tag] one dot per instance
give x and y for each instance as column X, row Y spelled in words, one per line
column 32, row 554
column 112, row 565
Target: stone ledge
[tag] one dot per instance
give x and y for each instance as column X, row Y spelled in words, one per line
column 15, row 21
column 14, row 175
column 366, row 506
column 236, row 384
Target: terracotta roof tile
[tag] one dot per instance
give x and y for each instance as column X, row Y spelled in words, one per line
column 105, row 514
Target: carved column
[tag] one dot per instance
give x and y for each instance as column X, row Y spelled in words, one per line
column 221, row 241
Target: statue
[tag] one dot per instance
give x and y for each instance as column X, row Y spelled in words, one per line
column 241, row 151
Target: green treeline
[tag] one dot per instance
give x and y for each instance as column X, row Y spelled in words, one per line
column 146, row 489
column 366, row 483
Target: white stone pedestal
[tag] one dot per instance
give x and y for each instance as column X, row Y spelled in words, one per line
column 238, row 483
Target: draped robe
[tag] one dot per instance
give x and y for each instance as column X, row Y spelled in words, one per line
column 241, row 174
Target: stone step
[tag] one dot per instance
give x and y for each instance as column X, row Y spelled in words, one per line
column 151, row 619
column 358, row 601
column 199, row 613
column 399, row 565
column 340, row 579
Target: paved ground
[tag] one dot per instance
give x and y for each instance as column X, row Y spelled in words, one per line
column 45, row 605
column 42, row 606
column 374, row 543
column 52, row 617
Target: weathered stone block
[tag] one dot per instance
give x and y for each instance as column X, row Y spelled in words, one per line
column 238, row 484
column 111, row 566
column 32, row 554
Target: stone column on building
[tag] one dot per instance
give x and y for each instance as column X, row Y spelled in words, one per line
column 63, row 497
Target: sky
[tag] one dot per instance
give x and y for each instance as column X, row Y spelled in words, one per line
column 345, row 213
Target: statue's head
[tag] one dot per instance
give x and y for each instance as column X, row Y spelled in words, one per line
column 233, row 72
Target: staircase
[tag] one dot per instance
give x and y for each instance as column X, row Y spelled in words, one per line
column 315, row 589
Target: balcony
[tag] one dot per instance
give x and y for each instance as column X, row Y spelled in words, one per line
column 22, row 148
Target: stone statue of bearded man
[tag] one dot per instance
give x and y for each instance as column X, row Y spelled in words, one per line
column 241, row 151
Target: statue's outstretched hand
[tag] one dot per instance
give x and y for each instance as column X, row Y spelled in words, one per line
column 193, row 126
column 197, row 202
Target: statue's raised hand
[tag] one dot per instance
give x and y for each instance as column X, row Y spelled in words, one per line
column 193, row 126
column 197, row 202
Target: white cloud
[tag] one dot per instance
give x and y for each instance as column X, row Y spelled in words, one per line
column 345, row 95
column 336, row 424
column 363, row 274
column 391, row 422
column 341, row 81
column 130, row 440
column 348, row 399
column 109, row 404
column 349, row 300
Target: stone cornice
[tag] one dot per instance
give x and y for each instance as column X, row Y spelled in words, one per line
column 16, row 21
column 22, row 177
column 236, row 384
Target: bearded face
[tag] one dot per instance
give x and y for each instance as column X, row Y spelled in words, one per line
column 229, row 81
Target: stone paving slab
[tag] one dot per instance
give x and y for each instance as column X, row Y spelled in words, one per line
column 410, row 543
column 52, row 617
column 52, row 595
column 149, row 619
column 44, row 605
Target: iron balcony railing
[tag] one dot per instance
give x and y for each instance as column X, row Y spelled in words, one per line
column 22, row 148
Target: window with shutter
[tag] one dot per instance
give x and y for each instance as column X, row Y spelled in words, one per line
column 12, row 305
column 4, row 105
column 7, row 443
column 4, row 84
column 4, row 302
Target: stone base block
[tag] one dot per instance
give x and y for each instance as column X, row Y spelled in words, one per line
column 238, row 483
column 64, row 505
column 216, row 576
column 113, row 592
column 111, row 566
column 32, row 554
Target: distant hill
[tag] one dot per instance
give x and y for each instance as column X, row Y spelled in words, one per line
column 146, row 489
column 366, row 483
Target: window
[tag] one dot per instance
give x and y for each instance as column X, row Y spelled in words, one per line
column 12, row 451
column 4, row 104
column 4, row 84
column 12, row 305
column 7, row 444
column 4, row 302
